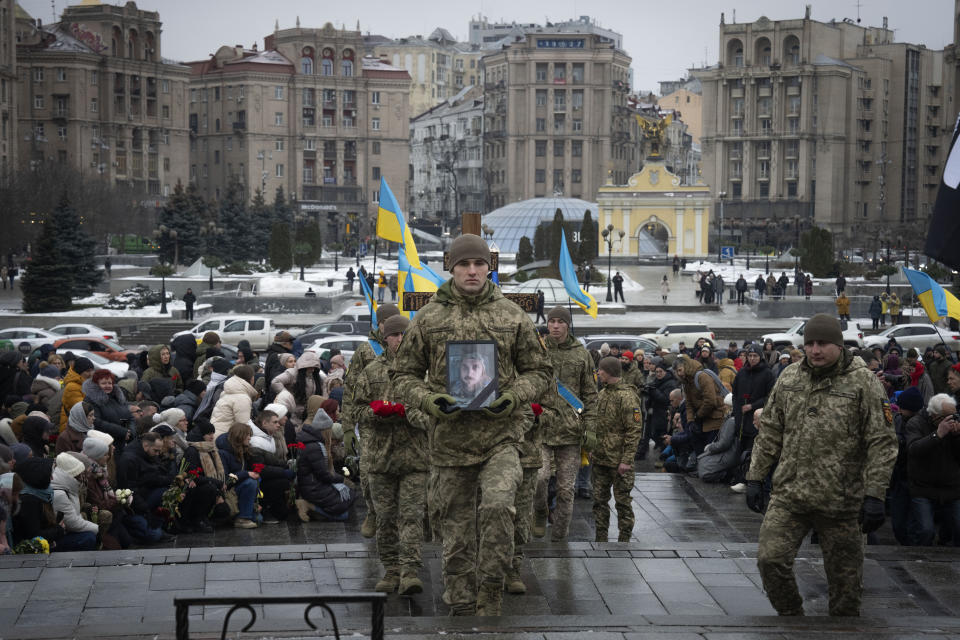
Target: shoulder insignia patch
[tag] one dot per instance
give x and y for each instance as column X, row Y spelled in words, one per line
column 543, row 345
column 637, row 416
column 887, row 413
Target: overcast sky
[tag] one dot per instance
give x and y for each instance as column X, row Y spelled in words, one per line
column 663, row 38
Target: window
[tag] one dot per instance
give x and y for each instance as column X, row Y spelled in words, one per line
column 279, row 172
column 375, row 124
column 375, row 173
column 306, row 66
column 541, row 148
column 94, row 106
column 349, row 97
column 38, row 102
column 764, row 189
column 577, row 73
column 94, row 77
column 559, row 121
column 577, row 124
column 38, row 74
column 375, row 148
column 374, row 97
column 541, row 124
column 165, row 111
column 165, row 86
column 541, row 72
column 559, row 100
column 577, row 99
column 559, row 73
column 792, row 189
column 326, row 67
column 193, row 172
column 558, row 178
column 216, row 94
column 541, row 97
column 541, row 176
column 346, row 68
column 575, row 176
column 558, row 148
column 576, row 148
column 216, row 156
column 278, row 118
column 62, row 133
column 278, row 93
column 278, row 144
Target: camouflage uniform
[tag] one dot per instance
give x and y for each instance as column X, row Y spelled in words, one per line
column 563, row 428
column 362, row 357
column 831, row 435
column 395, row 450
column 530, row 464
column 473, row 451
column 619, row 427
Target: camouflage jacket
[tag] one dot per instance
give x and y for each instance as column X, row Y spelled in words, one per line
column 362, row 357
column 530, row 454
column 420, row 369
column 573, row 366
column 831, row 436
column 390, row 445
column 619, row 425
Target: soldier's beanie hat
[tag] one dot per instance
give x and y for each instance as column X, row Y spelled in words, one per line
column 395, row 324
column 468, row 247
column 910, row 399
column 386, row 311
column 611, row 366
column 560, row 313
column 824, row 328
column 757, row 349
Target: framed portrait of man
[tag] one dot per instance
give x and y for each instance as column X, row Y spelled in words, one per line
column 472, row 373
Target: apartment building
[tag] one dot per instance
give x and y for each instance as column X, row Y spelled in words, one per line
column 95, row 92
column 8, row 85
column 556, row 117
column 309, row 113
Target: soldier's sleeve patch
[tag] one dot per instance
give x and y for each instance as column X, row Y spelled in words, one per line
column 887, row 413
column 543, row 345
column 637, row 416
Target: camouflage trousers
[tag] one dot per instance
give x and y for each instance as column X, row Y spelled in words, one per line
column 605, row 478
column 400, row 500
column 477, row 538
column 781, row 535
column 521, row 522
column 565, row 461
column 365, row 483
column 433, row 504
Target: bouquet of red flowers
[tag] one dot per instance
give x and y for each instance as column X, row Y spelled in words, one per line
column 387, row 409
column 257, row 468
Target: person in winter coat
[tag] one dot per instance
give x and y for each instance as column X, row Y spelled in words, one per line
column 933, row 449
column 190, row 399
column 81, row 420
column 203, row 459
column 704, row 403
column 160, row 366
column 47, row 391
column 658, row 394
column 784, row 282
column 722, row 456
column 36, row 516
column 875, row 311
column 81, row 534
column 917, row 377
column 236, row 402
column 177, row 420
column 269, row 448
column 185, row 354
column 321, row 490
column 770, row 355
column 773, row 287
column 726, row 369
column 664, row 289
column 741, row 287
column 843, row 306
column 235, row 453
column 34, row 434
column 211, row 341
column 111, row 407
column 807, row 286
column 303, row 381
column 282, row 344
column 761, row 286
column 81, row 371
column 750, row 390
column 98, row 447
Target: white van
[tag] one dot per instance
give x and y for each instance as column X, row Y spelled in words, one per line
column 258, row 330
column 357, row 312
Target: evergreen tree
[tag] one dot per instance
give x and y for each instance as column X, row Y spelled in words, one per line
column 261, row 218
column 816, row 252
column 236, row 223
column 47, row 281
column 282, row 211
column 77, row 248
column 281, row 256
column 556, row 227
column 180, row 214
column 540, row 242
column 524, row 252
column 588, row 239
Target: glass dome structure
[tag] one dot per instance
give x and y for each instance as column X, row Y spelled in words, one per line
column 518, row 219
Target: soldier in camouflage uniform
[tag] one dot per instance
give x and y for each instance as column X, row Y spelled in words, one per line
column 619, row 427
column 363, row 356
column 523, row 503
column 473, row 450
column 395, row 449
column 827, row 426
column 563, row 429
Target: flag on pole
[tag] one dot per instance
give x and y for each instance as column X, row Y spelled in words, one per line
column 392, row 226
column 569, row 275
column 935, row 300
column 411, row 278
column 368, row 295
column 943, row 235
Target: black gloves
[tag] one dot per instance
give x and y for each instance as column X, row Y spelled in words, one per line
column 440, row 406
column 502, row 406
column 756, row 501
column 872, row 514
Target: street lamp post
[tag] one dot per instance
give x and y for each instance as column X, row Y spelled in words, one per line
column 608, row 237
column 720, row 196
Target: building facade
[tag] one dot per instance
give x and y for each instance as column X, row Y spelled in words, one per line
column 828, row 124
column 493, row 35
column 556, row 117
column 310, row 114
column 8, row 85
column 446, row 159
column 686, row 100
column 96, row 93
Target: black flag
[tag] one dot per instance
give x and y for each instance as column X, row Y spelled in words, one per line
column 943, row 237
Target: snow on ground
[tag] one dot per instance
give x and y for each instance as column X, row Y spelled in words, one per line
column 150, row 311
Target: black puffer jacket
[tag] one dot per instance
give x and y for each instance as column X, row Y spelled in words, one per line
column 36, row 516
column 314, row 479
column 658, row 392
column 112, row 411
column 933, row 463
column 751, row 386
column 141, row 473
column 185, row 352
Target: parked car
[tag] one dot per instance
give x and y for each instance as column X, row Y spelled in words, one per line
column 919, row 336
column 31, row 335
column 259, row 330
column 594, row 342
column 106, row 348
column 688, row 333
column 793, row 337
column 346, row 344
column 118, row 369
column 76, row 330
column 338, row 327
column 356, row 312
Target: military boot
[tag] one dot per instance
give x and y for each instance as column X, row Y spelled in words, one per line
column 514, row 583
column 490, row 598
column 463, row 610
column 389, row 582
column 409, row 581
column 624, row 536
column 539, row 524
column 369, row 527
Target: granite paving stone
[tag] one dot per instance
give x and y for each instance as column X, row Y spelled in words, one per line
column 178, row 576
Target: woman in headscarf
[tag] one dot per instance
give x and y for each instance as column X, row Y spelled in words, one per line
column 161, row 366
column 79, row 422
column 303, row 382
column 34, row 435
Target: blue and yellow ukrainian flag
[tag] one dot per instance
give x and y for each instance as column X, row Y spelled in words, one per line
column 569, row 275
column 368, row 296
column 410, row 278
column 391, row 225
column 935, row 300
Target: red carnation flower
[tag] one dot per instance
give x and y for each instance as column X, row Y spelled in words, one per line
column 258, row 468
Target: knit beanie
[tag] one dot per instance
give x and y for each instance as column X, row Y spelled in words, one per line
column 95, row 448
column 21, row 452
column 82, row 364
column 910, row 399
column 277, row 408
column 196, row 386
column 171, row 416
column 386, row 311
column 395, row 324
column 559, row 312
column 102, row 436
column 611, row 366
column 50, row 371
column 163, row 430
column 468, row 247
column 823, row 328
column 18, row 409
column 627, row 354
column 69, row 465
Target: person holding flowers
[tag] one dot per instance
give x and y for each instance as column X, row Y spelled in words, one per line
column 81, row 534
column 269, row 449
column 36, row 517
column 235, row 452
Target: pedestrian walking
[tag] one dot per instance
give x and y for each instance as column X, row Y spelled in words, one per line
column 784, row 282
column 3, row 275
column 676, row 266
column 718, row 287
column 618, row 288
column 587, row 275
column 843, row 306
column 664, row 289
column 189, row 299
column 884, row 307
column 834, row 483
column 761, row 286
column 799, row 280
column 107, row 265
column 876, row 311
column 741, row 287
column 541, row 300
column 840, row 284
column 807, row 286
column 350, row 276
column 894, row 308
column 381, row 285
column 392, row 283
